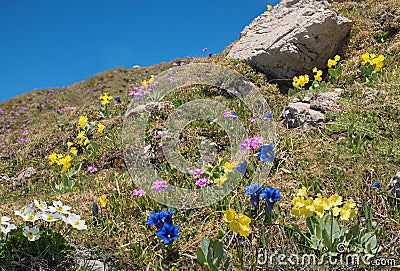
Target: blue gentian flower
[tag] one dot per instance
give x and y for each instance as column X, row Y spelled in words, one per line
column 267, row 153
column 254, row 191
column 168, row 216
column 268, row 116
column 271, row 195
column 168, row 233
column 159, row 219
column 117, row 99
column 241, row 168
column 376, row 185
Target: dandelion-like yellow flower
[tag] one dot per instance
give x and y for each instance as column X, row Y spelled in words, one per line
column 103, row 201
column 82, row 121
column 52, row 158
column 105, row 98
column 100, row 127
column 73, row 150
column 269, row 7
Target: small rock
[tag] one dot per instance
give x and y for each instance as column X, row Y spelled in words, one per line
column 309, row 97
column 326, row 101
column 93, row 265
column 301, row 115
column 394, row 185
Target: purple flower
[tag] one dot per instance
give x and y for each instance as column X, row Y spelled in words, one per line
column 138, row 193
column 198, row 172
column 23, row 140
column 204, row 49
column 181, row 63
column 202, row 182
column 230, row 115
column 271, row 195
column 92, row 169
column 251, row 143
column 1, row 110
column 252, row 120
column 171, row 78
column 117, row 99
column 159, row 186
column 8, row 131
column 25, row 132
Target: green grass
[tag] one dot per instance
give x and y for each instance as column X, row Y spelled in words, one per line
column 360, row 145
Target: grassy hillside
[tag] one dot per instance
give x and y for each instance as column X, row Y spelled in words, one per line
column 359, row 146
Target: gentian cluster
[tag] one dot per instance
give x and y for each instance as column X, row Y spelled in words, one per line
column 271, row 195
column 163, row 223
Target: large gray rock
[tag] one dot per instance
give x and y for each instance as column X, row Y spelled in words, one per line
column 297, row 36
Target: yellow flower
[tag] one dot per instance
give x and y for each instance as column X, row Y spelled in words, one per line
column 317, row 75
column 86, row 142
column 151, row 81
column 267, row 12
column 105, row 98
column 144, row 84
column 269, row 7
column 336, row 211
column 81, row 135
column 335, row 200
column 82, row 121
column 69, row 144
column 331, row 63
column 238, row 223
column 100, row 127
column 53, row 158
column 221, row 180
column 230, row 215
column 302, row 192
column 229, row 167
column 337, row 58
column 73, row 150
column 295, row 82
column 103, row 201
column 301, row 81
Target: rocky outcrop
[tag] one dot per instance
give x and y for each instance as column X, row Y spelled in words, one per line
column 309, row 111
column 295, row 37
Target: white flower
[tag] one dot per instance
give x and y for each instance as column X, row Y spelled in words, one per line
column 41, row 205
column 31, row 233
column 59, row 207
column 7, row 227
column 50, row 217
column 75, row 221
column 23, row 210
column 4, row 219
column 30, row 216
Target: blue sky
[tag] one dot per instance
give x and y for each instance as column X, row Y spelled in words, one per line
column 47, row 43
